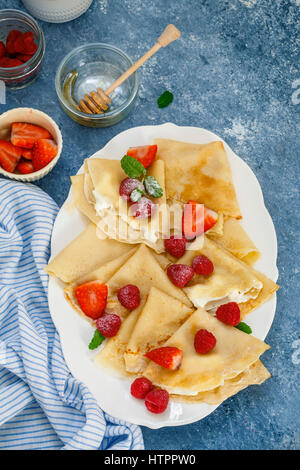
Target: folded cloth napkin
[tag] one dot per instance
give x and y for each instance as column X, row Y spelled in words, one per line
column 42, row 406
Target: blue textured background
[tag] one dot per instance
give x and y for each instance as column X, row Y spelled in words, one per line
column 235, row 72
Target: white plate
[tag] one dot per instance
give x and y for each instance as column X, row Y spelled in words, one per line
column 112, row 393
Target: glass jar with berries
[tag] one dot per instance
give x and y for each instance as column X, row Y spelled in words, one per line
column 22, row 47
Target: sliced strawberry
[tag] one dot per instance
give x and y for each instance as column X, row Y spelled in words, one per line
column 12, row 35
column 44, row 150
column 25, row 135
column 24, row 43
column 92, row 298
column 9, row 156
column 168, row 357
column 144, row 154
column 25, row 167
column 2, row 49
column 7, row 62
column 24, row 57
column 27, row 154
column 19, row 45
column 197, row 219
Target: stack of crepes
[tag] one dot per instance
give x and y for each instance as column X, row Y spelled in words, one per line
column 168, row 315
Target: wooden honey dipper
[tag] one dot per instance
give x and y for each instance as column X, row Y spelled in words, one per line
column 98, row 101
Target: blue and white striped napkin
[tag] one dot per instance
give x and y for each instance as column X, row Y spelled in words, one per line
column 42, row 406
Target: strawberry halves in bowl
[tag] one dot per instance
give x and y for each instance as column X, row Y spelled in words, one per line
column 33, row 144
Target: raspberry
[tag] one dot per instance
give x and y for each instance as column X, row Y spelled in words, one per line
column 127, row 186
column 202, row 265
column 157, row 401
column 143, row 208
column 175, row 246
column 229, row 313
column 129, row 296
column 140, row 387
column 204, row 341
column 180, row 274
column 108, row 324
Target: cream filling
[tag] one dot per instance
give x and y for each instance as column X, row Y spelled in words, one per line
column 102, row 202
column 234, row 296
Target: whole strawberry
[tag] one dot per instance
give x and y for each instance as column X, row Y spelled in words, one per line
column 44, row 150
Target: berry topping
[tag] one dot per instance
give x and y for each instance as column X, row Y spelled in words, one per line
column 144, row 154
column 202, row 265
column 204, row 341
column 175, row 246
column 229, row 313
column 108, row 324
column 128, row 185
column 157, row 401
column 129, row 296
column 180, row 274
column 140, row 387
column 2, row 49
column 92, row 298
column 9, row 156
column 143, row 208
column 25, row 167
column 168, row 357
column 44, row 150
column 25, row 135
column 197, row 219
column 27, row 154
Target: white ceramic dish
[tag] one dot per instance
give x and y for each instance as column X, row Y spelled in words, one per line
column 32, row 116
column 112, row 393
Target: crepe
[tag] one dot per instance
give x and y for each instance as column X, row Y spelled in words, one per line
column 235, row 239
column 234, row 352
column 199, row 172
column 102, row 190
column 80, row 200
column 112, row 355
column 256, row 374
column 144, row 271
column 84, row 254
column 268, row 289
column 231, row 280
column 161, row 316
column 103, row 273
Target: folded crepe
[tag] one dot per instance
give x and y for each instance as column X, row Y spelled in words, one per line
column 235, row 352
column 268, row 289
column 102, row 273
column 111, row 356
column 231, row 280
column 200, row 172
column 144, row 271
column 160, row 317
column 80, row 200
column 256, row 374
column 234, row 239
column 101, row 188
column 84, row 254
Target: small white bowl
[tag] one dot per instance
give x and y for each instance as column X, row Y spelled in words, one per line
column 32, row 116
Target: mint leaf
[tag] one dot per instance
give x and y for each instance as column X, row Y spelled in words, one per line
column 132, row 167
column 153, row 187
column 165, row 99
column 97, row 339
column 136, row 195
column 244, row 327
